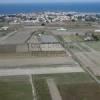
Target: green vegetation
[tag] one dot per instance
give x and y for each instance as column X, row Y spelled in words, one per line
column 73, row 47
column 62, row 81
column 15, row 88
column 42, row 91
column 67, row 78
column 98, row 77
column 95, row 45
column 84, row 48
column 79, row 24
column 72, row 38
column 77, row 47
column 74, row 78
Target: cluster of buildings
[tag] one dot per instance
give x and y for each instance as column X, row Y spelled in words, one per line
column 48, row 17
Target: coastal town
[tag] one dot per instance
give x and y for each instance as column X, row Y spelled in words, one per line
column 49, row 17
column 50, row 56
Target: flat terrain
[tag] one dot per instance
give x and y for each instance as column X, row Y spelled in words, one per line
column 4, row 33
column 42, row 70
column 7, row 35
column 13, row 62
column 88, row 57
column 52, row 78
column 66, row 77
column 95, row 45
column 18, row 38
column 55, row 95
column 83, row 91
column 42, row 90
column 38, row 65
column 19, row 87
column 15, row 88
column 45, row 84
column 71, row 31
column 72, row 38
column 75, row 78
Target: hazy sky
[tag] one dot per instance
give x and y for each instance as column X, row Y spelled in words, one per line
column 45, row 1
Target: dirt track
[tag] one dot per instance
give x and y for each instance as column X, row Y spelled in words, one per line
column 13, row 62
column 36, row 71
column 53, row 90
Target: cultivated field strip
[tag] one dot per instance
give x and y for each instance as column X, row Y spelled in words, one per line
column 37, row 71
column 11, row 62
column 90, row 60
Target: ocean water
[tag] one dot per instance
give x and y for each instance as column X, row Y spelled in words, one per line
column 40, row 7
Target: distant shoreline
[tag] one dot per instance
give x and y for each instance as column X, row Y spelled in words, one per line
column 52, row 7
column 41, row 12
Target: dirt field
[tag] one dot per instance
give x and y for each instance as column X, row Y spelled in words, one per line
column 9, row 62
column 84, row 91
column 43, row 90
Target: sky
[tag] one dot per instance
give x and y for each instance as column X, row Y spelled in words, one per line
column 45, row 1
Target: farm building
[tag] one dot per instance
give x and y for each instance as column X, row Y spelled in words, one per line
column 27, row 42
column 45, row 44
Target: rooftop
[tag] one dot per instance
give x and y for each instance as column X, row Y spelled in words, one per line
column 48, row 39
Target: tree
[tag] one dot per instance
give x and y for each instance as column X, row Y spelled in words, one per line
column 43, row 24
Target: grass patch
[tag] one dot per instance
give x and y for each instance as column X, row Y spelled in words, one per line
column 42, row 90
column 74, row 78
column 72, row 38
column 62, row 81
column 15, row 88
column 67, row 78
column 83, row 91
column 98, row 77
column 95, row 45
column 73, row 47
column 83, row 47
column 77, row 47
column 41, row 86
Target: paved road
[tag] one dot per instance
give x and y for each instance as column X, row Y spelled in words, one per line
column 5, row 37
column 55, row 95
column 43, row 70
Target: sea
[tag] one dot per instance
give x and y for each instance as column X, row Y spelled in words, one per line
column 56, row 7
